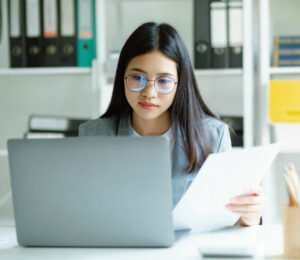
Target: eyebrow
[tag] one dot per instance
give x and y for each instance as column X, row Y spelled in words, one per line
column 160, row 74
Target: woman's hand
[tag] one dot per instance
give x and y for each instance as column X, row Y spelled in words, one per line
column 249, row 206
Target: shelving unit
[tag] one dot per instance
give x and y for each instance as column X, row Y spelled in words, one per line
column 218, row 72
column 284, row 71
column 45, row 71
column 275, row 18
column 266, row 71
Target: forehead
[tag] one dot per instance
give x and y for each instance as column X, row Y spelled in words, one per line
column 153, row 63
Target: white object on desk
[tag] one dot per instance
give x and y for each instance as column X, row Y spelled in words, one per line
column 3, row 153
column 222, row 176
column 256, row 241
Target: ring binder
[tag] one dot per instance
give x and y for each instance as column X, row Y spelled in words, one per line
column 50, row 16
column 202, row 48
column 235, row 22
column 17, row 33
column 67, row 33
column 33, row 33
column 219, row 34
column 86, row 37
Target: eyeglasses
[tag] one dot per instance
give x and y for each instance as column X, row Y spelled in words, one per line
column 137, row 83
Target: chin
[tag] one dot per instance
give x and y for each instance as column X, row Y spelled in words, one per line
column 147, row 115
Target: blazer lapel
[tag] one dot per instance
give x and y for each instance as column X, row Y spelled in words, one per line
column 124, row 126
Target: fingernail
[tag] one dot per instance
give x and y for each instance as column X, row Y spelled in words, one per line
column 232, row 200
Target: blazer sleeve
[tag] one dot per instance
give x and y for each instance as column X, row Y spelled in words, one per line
column 225, row 140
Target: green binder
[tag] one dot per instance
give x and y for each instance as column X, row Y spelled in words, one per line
column 86, row 32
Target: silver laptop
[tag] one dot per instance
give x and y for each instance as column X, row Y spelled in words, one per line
column 92, row 191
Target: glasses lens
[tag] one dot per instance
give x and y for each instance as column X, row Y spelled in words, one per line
column 164, row 85
column 136, row 82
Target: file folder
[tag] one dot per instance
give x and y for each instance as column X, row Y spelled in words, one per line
column 50, row 57
column 33, row 33
column 284, row 101
column 16, row 11
column 67, row 33
column 235, row 13
column 86, row 37
column 287, row 51
column 219, row 34
column 202, row 48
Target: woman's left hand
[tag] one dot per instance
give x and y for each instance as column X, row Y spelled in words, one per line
column 249, row 206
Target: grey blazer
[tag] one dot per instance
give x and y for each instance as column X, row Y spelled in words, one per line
column 217, row 134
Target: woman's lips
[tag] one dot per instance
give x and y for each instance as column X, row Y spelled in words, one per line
column 148, row 106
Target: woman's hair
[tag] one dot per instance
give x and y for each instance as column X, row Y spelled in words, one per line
column 188, row 108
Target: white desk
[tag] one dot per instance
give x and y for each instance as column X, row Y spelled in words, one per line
column 185, row 248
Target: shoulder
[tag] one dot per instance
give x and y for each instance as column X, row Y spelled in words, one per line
column 99, row 126
column 217, row 134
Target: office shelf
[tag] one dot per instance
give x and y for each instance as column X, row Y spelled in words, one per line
column 284, row 70
column 218, row 72
column 45, row 71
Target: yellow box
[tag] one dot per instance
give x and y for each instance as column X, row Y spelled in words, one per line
column 284, row 101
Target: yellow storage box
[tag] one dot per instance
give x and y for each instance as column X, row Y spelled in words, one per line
column 284, row 101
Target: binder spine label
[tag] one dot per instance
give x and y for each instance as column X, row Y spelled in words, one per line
column 218, row 25
column 33, row 18
column 50, row 18
column 85, row 25
column 235, row 25
column 15, row 11
column 67, row 18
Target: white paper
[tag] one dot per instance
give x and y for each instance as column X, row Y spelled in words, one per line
column 222, row 176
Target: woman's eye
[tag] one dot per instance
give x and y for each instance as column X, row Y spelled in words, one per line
column 164, row 81
column 138, row 77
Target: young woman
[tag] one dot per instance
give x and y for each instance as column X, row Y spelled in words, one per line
column 155, row 93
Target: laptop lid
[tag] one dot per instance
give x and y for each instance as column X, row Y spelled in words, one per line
column 92, row 191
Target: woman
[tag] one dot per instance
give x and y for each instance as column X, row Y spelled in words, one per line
column 155, row 93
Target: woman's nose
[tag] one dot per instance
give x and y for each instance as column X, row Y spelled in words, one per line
column 149, row 90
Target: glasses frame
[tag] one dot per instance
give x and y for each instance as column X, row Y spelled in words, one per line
column 147, row 80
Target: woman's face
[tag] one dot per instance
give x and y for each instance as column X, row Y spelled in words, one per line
column 149, row 104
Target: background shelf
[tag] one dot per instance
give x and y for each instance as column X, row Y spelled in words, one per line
column 218, row 72
column 45, row 71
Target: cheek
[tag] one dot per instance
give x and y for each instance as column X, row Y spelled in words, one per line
column 169, row 99
column 130, row 96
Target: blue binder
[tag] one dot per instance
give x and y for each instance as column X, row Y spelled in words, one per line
column 287, row 51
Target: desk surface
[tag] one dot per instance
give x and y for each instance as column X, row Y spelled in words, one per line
column 187, row 247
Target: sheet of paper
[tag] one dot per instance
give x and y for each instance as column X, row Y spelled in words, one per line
column 222, row 176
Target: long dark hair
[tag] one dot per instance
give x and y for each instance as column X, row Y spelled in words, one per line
column 188, row 108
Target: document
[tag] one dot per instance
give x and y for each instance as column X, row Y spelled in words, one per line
column 221, row 177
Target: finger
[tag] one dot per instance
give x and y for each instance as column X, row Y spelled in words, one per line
column 245, row 208
column 258, row 190
column 250, row 220
column 248, row 200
